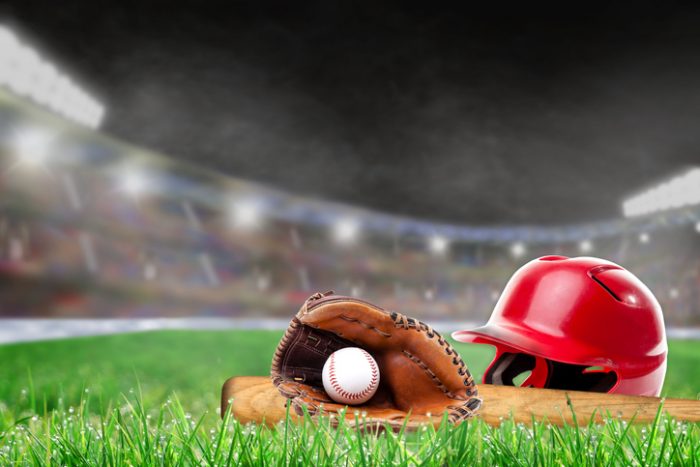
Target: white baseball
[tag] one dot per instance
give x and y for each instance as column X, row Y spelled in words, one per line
column 350, row 376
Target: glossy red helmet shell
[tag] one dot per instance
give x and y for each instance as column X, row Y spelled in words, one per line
column 581, row 311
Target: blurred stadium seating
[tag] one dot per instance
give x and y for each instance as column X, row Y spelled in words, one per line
column 95, row 227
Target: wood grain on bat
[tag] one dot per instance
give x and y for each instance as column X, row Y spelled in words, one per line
column 255, row 399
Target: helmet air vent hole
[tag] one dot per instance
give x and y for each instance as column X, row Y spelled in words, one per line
column 520, row 379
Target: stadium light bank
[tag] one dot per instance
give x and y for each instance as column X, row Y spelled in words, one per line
column 25, row 73
column 678, row 192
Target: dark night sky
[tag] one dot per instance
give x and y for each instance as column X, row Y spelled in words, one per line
column 426, row 109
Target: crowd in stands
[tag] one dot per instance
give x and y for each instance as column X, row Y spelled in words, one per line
column 72, row 243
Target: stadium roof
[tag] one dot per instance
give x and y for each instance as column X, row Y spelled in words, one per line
column 427, row 111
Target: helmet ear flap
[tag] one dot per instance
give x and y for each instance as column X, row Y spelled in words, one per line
column 508, row 364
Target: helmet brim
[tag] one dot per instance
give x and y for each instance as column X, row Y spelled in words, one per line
column 564, row 350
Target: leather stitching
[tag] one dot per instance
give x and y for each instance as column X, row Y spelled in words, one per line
column 281, row 350
column 461, row 412
column 401, row 321
column 365, row 325
column 433, row 376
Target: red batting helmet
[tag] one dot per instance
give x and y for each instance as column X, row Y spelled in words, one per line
column 576, row 323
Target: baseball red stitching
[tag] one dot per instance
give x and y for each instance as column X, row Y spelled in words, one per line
column 353, row 395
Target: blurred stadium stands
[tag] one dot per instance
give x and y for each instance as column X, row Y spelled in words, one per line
column 94, row 227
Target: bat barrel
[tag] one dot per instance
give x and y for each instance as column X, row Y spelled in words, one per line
column 558, row 407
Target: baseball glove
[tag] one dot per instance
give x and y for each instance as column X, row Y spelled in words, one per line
column 421, row 375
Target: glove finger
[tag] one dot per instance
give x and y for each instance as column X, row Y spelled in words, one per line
column 293, row 389
column 355, row 320
column 315, row 406
column 395, row 419
column 352, row 414
column 316, row 402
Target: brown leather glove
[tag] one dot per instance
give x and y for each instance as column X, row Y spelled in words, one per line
column 420, row 372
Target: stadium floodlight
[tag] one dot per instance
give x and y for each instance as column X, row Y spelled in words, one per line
column 518, row 249
column 44, row 83
column 99, row 115
column 32, row 146
column 27, row 74
column 246, row 214
column 26, row 62
column 345, row 231
column 9, row 45
column 54, row 101
column 585, row 246
column 644, row 237
column 678, row 192
column 438, row 244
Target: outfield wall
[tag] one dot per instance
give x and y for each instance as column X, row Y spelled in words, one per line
column 24, row 330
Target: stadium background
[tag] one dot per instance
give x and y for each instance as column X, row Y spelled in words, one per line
column 93, row 227
column 216, row 174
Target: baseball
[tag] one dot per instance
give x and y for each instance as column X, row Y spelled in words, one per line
column 350, row 376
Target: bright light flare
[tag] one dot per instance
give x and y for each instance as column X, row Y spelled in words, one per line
column 33, row 146
column 346, row 231
column 518, row 249
column 438, row 244
column 585, row 246
column 245, row 214
column 134, row 182
column 644, row 237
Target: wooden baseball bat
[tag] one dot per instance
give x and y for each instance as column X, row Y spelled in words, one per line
column 255, row 399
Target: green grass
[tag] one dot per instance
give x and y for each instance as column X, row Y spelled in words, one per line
column 152, row 399
column 192, row 364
